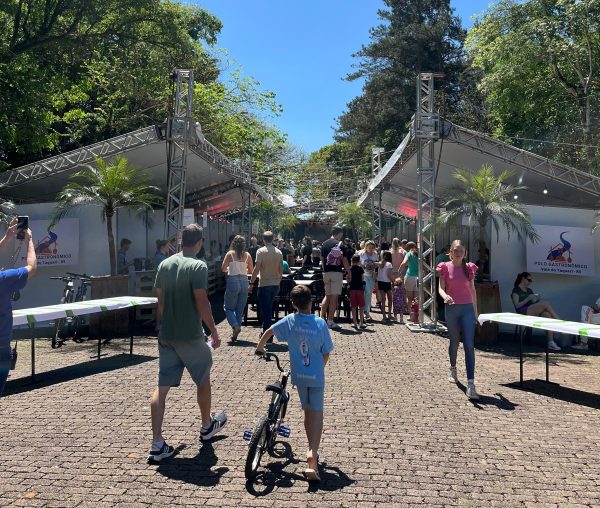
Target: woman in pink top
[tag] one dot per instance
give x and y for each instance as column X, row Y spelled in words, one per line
column 397, row 257
column 457, row 288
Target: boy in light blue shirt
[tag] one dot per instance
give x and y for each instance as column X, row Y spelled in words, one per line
column 309, row 345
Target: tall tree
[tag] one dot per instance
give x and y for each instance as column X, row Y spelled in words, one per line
column 541, row 64
column 414, row 36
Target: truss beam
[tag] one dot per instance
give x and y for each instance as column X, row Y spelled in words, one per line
column 426, row 130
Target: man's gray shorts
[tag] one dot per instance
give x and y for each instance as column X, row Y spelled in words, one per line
column 173, row 357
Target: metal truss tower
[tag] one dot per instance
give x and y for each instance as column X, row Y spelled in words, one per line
column 179, row 133
column 376, row 216
column 426, row 129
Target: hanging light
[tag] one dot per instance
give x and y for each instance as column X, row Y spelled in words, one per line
column 545, row 189
column 516, row 196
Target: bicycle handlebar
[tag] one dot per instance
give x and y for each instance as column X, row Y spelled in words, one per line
column 78, row 276
column 268, row 357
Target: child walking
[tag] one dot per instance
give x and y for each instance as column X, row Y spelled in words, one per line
column 384, row 284
column 309, row 344
column 399, row 300
column 357, row 293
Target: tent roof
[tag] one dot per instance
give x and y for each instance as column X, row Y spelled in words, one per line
column 214, row 183
column 462, row 148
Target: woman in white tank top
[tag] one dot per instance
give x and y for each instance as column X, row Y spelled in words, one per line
column 237, row 264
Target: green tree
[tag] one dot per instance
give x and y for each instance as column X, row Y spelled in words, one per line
column 286, row 224
column 541, row 75
column 414, row 36
column 110, row 186
column 484, row 197
column 265, row 213
column 354, row 218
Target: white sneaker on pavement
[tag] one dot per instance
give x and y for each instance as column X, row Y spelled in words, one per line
column 452, row 377
column 553, row 346
column 472, row 392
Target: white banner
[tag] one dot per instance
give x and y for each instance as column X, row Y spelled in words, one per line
column 58, row 246
column 562, row 250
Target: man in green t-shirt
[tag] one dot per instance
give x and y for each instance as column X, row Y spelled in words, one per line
column 181, row 282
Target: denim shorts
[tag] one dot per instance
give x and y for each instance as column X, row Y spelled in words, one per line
column 311, row 396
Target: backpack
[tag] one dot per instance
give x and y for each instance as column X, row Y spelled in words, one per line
column 335, row 256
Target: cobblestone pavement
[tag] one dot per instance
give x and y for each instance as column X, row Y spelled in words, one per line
column 396, row 432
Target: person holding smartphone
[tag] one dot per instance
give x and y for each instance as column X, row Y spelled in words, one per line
column 12, row 280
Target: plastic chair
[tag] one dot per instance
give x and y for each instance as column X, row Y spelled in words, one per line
column 283, row 301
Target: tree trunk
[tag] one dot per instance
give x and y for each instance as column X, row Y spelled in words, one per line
column 111, row 244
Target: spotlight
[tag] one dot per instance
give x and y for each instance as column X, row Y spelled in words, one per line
column 545, row 190
column 515, row 196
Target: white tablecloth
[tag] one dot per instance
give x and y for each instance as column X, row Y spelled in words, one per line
column 51, row 312
column 551, row 325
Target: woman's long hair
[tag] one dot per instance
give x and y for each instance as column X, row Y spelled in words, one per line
column 396, row 244
column 238, row 245
column 458, row 243
column 520, row 277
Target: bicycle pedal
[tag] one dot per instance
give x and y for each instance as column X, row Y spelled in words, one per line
column 248, row 434
column 284, row 431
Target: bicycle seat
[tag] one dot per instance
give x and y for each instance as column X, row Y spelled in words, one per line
column 274, row 387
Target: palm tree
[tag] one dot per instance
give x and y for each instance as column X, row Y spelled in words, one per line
column 286, row 225
column 485, row 197
column 110, row 186
column 355, row 218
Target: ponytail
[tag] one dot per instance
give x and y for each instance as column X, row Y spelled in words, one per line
column 465, row 267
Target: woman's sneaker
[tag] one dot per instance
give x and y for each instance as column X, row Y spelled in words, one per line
column 216, row 424
column 553, row 346
column 452, row 377
column 472, row 392
column 157, row 454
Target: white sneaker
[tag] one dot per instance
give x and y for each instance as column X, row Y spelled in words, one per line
column 452, row 377
column 472, row 392
column 333, row 326
column 553, row 346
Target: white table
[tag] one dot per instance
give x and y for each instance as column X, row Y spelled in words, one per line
column 35, row 315
column 547, row 324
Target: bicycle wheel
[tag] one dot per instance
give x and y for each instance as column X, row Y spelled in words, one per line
column 256, row 447
column 77, row 327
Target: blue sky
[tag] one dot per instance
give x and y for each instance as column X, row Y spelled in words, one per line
column 302, row 51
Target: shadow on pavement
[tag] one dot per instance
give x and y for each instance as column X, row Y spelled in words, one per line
column 77, row 371
column 556, row 391
column 275, row 475
column 196, row 470
column 501, row 402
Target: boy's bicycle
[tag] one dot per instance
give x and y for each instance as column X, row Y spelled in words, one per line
column 67, row 327
column 269, row 426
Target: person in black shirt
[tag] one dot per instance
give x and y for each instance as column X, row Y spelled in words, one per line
column 253, row 247
column 333, row 274
column 306, row 252
column 357, row 293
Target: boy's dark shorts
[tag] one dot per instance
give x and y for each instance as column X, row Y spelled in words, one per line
column 173, row 357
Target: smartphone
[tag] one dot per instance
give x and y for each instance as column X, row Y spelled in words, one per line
column 22, row 226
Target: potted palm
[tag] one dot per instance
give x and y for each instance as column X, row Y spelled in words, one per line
column 108, row 186
column 484, row 197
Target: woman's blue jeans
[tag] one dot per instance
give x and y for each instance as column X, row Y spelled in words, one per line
column 236, row 296
column 369, row 285
column 460, row 320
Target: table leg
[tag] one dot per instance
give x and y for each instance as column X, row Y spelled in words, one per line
column 131, row 322
column 547, row 363
column 32, row 359
column 521, row 356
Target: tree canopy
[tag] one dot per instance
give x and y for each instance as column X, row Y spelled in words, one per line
column 76, row 72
